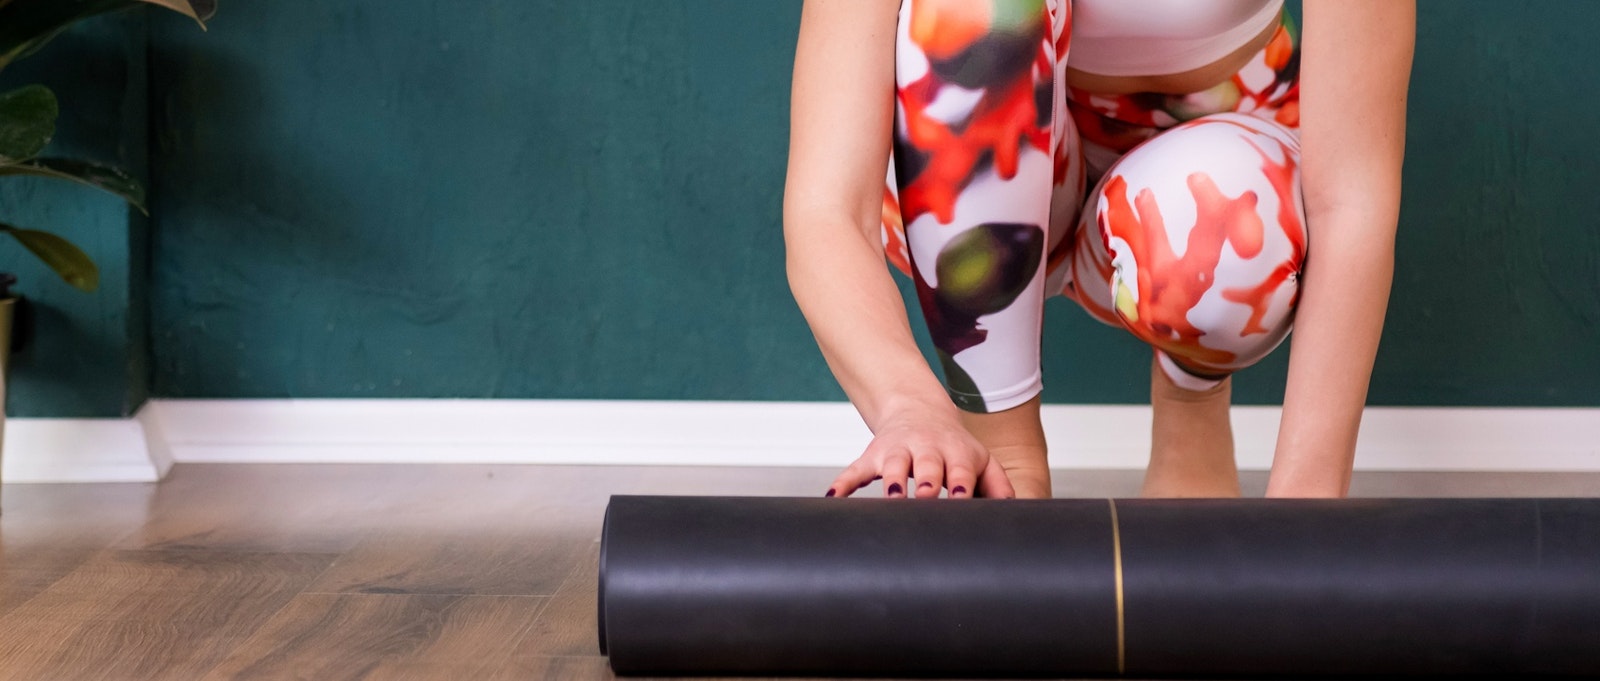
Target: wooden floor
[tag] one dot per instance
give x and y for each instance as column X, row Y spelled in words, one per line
column 462, row 573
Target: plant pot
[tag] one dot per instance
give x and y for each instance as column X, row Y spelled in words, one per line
column 7, row 310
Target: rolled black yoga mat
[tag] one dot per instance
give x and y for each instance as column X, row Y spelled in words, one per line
column 720, row 585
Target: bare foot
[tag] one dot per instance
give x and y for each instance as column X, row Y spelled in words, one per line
column 1015, row 438
column 1191, row 445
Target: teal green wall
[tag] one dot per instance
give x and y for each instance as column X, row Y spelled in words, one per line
column 89, row 357
column 374, row 198
column 1497, row 297
column 538, row 199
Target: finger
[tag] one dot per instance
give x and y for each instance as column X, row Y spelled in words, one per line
column 962, row 481
column 995, row 484
column 854, row 477
column 928, row 469
column 896, row 467
column 860, row 473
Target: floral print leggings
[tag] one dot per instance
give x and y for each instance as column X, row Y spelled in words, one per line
column 1192, row 238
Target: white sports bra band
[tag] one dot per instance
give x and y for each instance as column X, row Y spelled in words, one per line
column 1160, row 37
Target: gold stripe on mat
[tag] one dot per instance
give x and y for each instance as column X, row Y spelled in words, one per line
column 1116, row 566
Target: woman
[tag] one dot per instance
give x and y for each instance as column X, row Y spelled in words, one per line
column 1195, row 172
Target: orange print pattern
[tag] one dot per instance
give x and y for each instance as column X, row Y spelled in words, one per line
column 977, row 90
column 1170, row 286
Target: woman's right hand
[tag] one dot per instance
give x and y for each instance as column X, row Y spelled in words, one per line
column 839, row 141
column 935, row 450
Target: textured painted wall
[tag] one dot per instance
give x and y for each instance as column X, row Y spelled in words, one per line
column 89, row 357
column 505, row 198
column 1497, row 298
column 482, row 199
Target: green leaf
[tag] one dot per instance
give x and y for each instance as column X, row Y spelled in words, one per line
column 74, row 266
column 26, row 25
column 27, row 122
column 103, row 177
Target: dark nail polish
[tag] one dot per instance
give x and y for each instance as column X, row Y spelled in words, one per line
column 957, row 490
column 924, row 486
column 830, row 493
column 895, row 488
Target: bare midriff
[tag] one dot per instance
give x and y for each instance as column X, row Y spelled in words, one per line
column 1193, row 80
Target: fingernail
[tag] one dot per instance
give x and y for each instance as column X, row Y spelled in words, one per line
column 924, row 486
column 957, row 490
column 830, row 493
column 895, row 488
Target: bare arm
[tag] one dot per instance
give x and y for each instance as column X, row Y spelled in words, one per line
column 1354, row 76
column 840, row 125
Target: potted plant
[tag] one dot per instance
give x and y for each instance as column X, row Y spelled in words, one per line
column 28, row 121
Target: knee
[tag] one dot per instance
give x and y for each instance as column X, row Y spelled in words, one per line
column 1236, row 152
column 1206, row 231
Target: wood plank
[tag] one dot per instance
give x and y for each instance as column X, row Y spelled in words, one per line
column 47, row 531
column 565, row 668
column 513, row 530
column 429, row 671
column 587, row 668
column 1468, row 484
column 148, row 615
column 306, row 509
column 1097, row 484
column 332, row 508
column 331, row 637
column 569, row 626
column 501, row 534
column 71, row 516
column 499, row 562
column 24, row 575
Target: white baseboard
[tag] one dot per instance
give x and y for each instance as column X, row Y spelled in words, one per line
column 509, row 431
column 76, row 450
column 713, row 434
column 804, row 434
